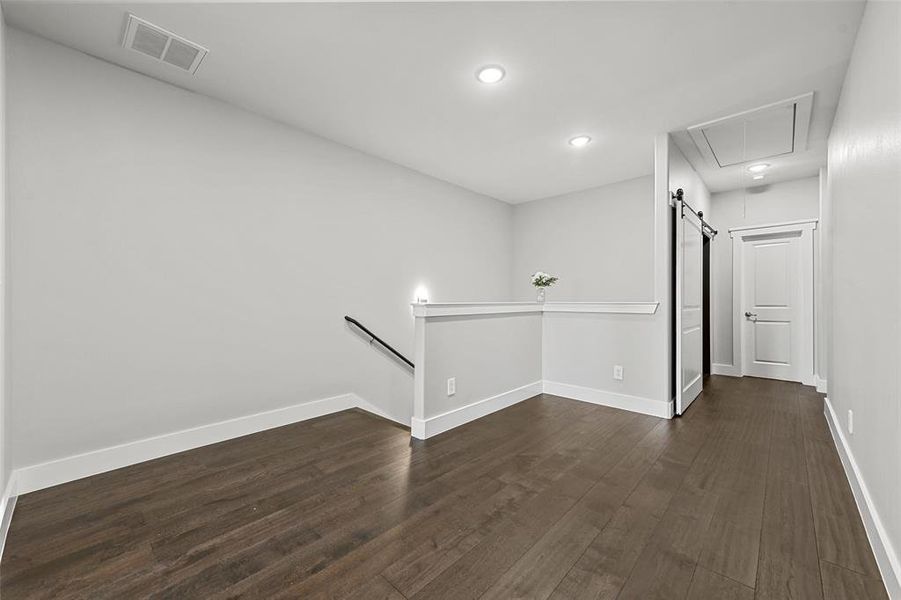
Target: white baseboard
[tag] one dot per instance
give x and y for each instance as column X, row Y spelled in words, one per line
column 820, row 384
column 7, row 506
column 425, row 428
column 886, row 556
column 637, row 404
column 70, row 468
column 724, row 369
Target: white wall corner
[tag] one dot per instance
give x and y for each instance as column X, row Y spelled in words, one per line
column 661, row 215
column 417, row 428
column 724, row 369
column 820, row 383
column 886, row 556
column 369, row 407
column 419, row 372
column 426, row 428
column 7, row 506
column 646, row 406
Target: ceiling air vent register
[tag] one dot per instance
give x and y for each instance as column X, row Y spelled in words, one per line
column 164, row 46
column 773, row 130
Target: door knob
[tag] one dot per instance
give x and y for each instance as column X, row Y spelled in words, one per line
column 750, row 315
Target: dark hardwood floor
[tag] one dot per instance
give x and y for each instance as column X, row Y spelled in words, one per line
column 743, row 497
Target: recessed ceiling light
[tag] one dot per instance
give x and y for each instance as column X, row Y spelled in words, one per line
column 490, row 73
column 758, row 177
column 580, row 141
column 758, row 167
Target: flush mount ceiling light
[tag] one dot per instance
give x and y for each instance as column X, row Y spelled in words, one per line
column 580, row 141
column 490, row 73
column 759, row 167
column 757, row 177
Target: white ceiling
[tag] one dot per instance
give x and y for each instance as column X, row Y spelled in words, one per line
column 397, row 80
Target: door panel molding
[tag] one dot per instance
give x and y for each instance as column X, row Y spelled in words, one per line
column 802, row 232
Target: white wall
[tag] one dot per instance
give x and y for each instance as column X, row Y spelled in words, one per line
column 762, row 205
column 682, row 175
column 864, row 189
column 5, row 454
column 582, row 349
column 503, row 353
column 176, row 261
column 599, row 242
column 486, row 354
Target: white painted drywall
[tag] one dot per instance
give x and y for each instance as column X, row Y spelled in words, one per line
column 487, row 355
column 661, row 353
column 176, row 261
column 5, row 454
column 682, row 175
column 864, row 188
column 777, row 203
column 582, row 349
column 599, row 242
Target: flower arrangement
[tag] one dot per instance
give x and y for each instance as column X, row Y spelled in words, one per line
column 541, row 281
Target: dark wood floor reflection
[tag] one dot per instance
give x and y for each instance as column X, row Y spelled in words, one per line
column 743, row 497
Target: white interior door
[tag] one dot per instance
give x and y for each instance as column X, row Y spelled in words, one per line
column 689, row 307
column 771, row 307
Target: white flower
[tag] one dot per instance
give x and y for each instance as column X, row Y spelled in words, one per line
column 542, row 279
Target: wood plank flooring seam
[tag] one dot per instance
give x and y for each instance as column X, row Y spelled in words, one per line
column 394, row 587
column 722, row 575
column 769, row 459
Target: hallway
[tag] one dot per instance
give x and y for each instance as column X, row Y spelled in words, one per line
column 551, row 498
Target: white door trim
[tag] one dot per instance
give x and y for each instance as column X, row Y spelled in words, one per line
column 805, row 230
column 775, row 227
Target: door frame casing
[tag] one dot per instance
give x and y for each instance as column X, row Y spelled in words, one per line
column 804, row 230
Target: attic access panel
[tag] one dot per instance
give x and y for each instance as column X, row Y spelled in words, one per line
column 773, row 130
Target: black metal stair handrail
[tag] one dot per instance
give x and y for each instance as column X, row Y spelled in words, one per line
column 376, row 338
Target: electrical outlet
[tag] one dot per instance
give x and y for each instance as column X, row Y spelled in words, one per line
column 618, row 372
column 851, row 422
column 451, row 386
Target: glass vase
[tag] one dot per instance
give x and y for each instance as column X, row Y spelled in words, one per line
column 541, row 295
